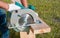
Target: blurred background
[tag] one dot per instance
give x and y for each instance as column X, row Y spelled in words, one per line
column 49, row 11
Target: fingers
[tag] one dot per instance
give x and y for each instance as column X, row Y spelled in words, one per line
column 4, row 5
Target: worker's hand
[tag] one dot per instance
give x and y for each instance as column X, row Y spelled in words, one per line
column 4, row 5
column 24, row 3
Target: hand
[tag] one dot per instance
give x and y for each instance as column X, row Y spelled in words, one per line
column 4, row 5
column 24, row 3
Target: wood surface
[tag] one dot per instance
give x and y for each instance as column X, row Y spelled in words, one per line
column 40, row 28
column 25, row 35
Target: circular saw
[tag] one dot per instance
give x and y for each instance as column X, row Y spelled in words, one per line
column 21, row 19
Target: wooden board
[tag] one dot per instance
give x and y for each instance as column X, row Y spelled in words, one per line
column 31, row 34
column 37, row 29
column 25, row 35
column 40, row 28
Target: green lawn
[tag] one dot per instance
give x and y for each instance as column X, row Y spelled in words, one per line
column 49, row 11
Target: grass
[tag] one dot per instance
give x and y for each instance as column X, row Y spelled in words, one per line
column 49, row 11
